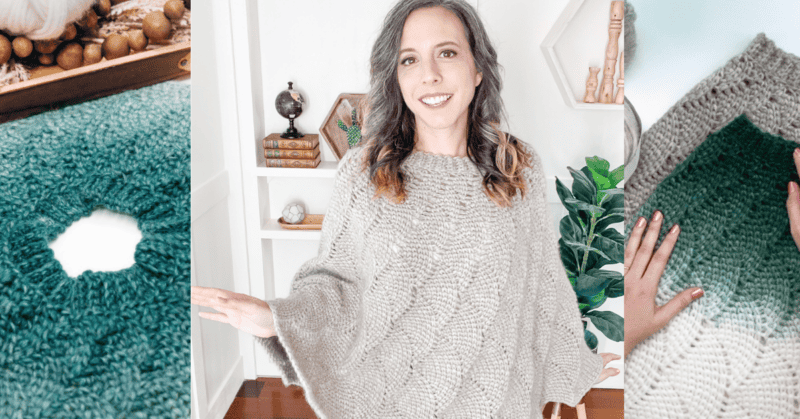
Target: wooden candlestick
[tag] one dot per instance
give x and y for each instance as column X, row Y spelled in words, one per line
column 620, row 98
column 591, row 85
column 614, row 29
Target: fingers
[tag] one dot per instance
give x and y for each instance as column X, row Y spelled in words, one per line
column 220, row 317
column 609, row 357
column 209, row 297
column 642, row 256
column 634, row 242
column 793, row 208
column 607, row 372
column 796, row 156
column 669, row 310
column 659, row 261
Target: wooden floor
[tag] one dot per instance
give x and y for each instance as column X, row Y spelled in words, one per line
column 267, row 398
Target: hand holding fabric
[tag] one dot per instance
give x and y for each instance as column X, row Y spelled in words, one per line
column 793, row 203
column 643, row 271
column 246, row 313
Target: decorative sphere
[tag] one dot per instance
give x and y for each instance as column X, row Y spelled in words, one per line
column 294, row 213
column 289, row 103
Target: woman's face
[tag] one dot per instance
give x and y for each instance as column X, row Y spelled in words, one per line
column 436, row 70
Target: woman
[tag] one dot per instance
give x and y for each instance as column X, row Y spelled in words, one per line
column 438, row 290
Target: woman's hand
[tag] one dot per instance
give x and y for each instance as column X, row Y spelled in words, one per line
column 793, row 203
column 643, row 271
column 246, row 313
column 608, row 372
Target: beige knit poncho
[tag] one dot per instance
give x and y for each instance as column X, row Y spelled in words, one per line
column 444, row 306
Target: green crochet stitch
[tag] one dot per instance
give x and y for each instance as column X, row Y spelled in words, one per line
column 729, row 198
column 104, row 344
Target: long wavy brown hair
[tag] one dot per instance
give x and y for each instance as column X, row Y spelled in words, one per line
column 389, row 123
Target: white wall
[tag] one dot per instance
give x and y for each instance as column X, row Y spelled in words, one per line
column 217, row 225
column 682, row 42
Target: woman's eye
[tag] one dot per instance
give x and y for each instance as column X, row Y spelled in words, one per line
column 448, row 53
column 407, row 61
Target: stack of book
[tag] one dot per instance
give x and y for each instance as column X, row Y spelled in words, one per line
column 295, row 152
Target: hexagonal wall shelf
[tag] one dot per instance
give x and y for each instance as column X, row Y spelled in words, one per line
column 577, row 41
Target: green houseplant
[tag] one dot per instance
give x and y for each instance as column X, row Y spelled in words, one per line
column 588, row 243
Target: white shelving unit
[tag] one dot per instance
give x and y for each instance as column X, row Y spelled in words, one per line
column 272, row 251
column 570, row 70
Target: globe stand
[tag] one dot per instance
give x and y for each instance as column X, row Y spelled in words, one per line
column 291, row 132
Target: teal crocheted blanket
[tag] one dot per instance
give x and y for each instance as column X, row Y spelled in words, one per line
column 737, row 348
column 104, row 344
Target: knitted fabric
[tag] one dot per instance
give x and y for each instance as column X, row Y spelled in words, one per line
column 443, row 306
column 735, row 352
column 104, row 344
column 763, row 82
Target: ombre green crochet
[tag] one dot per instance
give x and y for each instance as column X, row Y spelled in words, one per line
column 735, row 352
column 104, row 344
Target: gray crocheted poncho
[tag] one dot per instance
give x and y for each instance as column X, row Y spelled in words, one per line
column 443, row 306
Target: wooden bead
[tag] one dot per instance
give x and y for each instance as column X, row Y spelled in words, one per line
column 23, row 46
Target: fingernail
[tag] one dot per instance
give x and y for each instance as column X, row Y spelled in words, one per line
column 697, row 293
column 616, row 371
column 792, row 187
column 797, row 152
column 640, row 222
column 657, row 215
column 674, row 229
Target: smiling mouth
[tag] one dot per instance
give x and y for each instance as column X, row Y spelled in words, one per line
column 436, row 100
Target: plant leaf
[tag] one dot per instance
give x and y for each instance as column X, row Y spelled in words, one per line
column 610, row 217
column 598, row 165
column 583, row 188
column 583, row 206
column 588, row 285
column 616, row 175
column 568, row 256
column 563, row 192
column 608, row 323
column 585, row 248
column 570, row 231
column 612, row 198
column 615, row 288
column 590, row 338
column 610, row 242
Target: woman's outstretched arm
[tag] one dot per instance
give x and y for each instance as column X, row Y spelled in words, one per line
column 246, row 313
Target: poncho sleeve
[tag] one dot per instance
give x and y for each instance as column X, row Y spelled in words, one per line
column 569, row 368
column 316, row 321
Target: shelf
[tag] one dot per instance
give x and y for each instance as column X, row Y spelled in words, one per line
column 273, row 230
column 571, row 69
column 326, row 169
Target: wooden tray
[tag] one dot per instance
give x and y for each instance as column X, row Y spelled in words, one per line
column 311, row 222
column 330, row 131
column 51, row 85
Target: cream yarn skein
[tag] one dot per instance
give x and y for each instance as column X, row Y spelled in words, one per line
column 40, row 19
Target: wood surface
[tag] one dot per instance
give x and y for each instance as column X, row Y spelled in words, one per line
column 330, row 131
column 600, row 403
column 52, row 87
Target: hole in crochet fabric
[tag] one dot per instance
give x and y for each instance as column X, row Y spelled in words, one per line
column 104, row 241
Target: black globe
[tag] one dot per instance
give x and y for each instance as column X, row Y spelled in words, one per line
column 289, row 104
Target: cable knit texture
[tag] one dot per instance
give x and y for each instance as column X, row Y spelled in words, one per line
column 734, row 353
column 763, row 82
column 444, row 306
column 104, row 344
